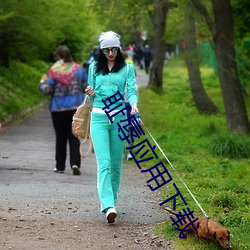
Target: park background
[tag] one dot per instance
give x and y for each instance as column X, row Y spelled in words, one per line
column 196, row 125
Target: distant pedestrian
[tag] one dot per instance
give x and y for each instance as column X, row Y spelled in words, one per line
column 138, row 55
column 92, row 56
column 108, row 74
column 147, row 54
column 65, row 84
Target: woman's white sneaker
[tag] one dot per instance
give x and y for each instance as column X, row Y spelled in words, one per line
column 111, row 214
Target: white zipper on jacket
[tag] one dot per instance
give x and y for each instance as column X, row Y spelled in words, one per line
column 109, row 82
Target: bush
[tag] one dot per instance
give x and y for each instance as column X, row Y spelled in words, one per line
column 223, row 200
column 19, row 88
column 231, row 146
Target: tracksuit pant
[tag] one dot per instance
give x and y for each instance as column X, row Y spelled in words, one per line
column 108, row 150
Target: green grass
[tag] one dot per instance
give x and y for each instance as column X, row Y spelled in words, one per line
column 214, row 164
column 19, row 87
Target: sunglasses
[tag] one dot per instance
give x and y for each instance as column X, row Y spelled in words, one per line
column 106, row 51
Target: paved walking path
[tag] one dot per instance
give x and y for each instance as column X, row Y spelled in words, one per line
column 34, row 200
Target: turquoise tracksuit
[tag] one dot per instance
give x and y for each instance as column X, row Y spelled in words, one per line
column 107, row 145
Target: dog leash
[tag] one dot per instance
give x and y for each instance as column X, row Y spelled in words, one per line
column 174, row 169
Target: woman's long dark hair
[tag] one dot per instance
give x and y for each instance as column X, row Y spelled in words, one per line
column 102, row 67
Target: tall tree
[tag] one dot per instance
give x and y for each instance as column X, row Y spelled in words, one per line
column 159, row 44
column 201, row 99
column 223, row 38
column 28, row 33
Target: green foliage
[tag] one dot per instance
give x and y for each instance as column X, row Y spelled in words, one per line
column 128, row 18
column 241, row 17
column 175, row 24
column 223, row 200
column 19, row 87
column 231, row 146
column 167, row 228
column 210, row 129
column 219, row 183
column 176, row 18
column 28, row 33
column 243, row 59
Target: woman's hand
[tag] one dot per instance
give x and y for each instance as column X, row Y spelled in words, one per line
column 134, row 109
column 90, row 91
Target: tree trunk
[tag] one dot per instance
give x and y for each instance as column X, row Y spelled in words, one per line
column 201, row 99
column 223, row 38
column 235, row 109
column 159, row 47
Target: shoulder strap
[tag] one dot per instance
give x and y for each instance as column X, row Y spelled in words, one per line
column 93, row 72
column 126, row 73
column 126, row 83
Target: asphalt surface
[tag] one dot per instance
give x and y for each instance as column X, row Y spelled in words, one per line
column 31, row 190
column 26, row 164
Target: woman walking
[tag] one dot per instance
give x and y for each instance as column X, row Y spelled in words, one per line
column 108, row 75
column 65, row 84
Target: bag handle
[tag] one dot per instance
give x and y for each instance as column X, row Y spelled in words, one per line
column 85, row 99
column 91, row 148
column 85, row 139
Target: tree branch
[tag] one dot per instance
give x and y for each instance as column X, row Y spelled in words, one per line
column 202, row 9
column 172, row 5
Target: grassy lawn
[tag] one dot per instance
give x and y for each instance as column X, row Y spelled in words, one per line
column 214, row 164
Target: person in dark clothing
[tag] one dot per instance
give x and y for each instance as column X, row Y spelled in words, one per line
column 93, row 55
column 138, row 55
column 147, row 54
column 65, row 83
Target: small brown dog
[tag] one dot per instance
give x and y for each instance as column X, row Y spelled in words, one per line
column 208, row 230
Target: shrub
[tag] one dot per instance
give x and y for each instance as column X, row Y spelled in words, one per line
column 223, row 200
column 231, row 146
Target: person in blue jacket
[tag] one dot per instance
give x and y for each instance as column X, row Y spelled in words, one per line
column 65, row 83
column 108, row 75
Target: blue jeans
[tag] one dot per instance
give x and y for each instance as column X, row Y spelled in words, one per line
column 108, row 150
